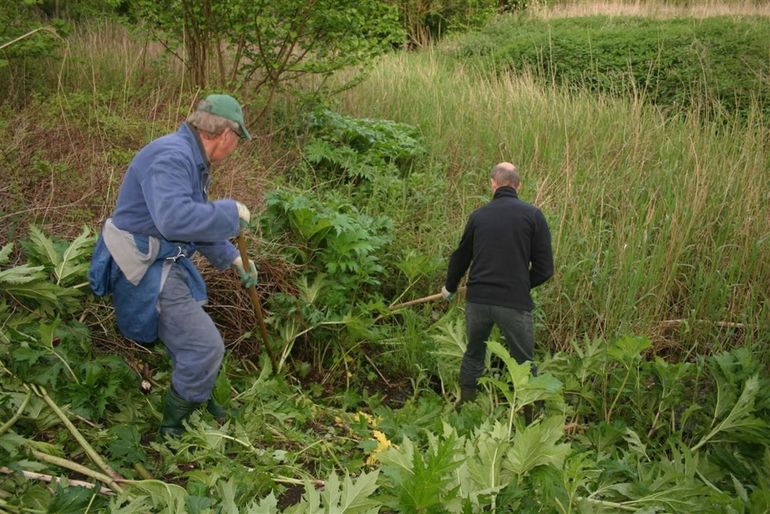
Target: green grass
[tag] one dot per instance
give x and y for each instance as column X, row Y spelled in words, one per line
column 713, row 64
column 652, row 218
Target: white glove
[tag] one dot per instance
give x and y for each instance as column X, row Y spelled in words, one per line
column 243, row 215
column 446, row 295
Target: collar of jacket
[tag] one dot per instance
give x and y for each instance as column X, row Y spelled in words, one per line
column 199, row 154
column 505, row 191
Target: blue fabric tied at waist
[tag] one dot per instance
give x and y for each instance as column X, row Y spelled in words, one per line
column 136, row 305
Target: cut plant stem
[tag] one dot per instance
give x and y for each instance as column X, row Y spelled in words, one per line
column 32, row 475
column 95, row 457
column 79, row 468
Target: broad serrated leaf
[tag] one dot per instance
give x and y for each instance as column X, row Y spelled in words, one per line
column 266, row 505
column 23, row 274
column 74, row 260
column 163, row 497
column 72, row 500
column 349, row 497
column 44, row 246
column 740, row 421
column 485, row 454
column 5, row 253
column 537, row 445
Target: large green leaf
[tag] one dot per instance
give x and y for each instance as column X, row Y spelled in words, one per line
column 740, row 421
column 75, row 259
column 537, row 445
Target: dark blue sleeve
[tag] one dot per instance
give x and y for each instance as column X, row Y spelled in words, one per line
column 220, row 254
column 460, row 259
column 167, row 187
column 541, row 256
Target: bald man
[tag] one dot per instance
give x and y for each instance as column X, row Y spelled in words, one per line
column 507, row 245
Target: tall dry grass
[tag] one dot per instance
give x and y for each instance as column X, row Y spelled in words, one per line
column 653, row 219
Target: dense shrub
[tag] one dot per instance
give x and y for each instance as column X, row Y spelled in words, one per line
column 675, row 63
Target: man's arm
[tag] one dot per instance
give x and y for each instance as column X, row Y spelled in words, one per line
column 460, row 259
column 220, row 254
column 168, row 193
column 541, row 256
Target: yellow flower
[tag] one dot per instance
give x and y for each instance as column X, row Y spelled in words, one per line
column 371, row 420
column 383, row 443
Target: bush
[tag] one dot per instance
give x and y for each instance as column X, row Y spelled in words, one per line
column 677, row 64
column 345, row 147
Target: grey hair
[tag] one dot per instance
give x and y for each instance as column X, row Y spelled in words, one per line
column 506, row 174
column 211, row 124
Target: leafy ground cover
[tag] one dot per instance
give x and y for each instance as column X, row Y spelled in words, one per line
column 601, row 429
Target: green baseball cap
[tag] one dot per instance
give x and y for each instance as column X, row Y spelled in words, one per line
column 227, row 107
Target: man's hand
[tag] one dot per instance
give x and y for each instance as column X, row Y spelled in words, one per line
column 243, row 215
column 447, row 295
column 248, row 278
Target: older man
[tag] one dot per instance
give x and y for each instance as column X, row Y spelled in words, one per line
column 507, row 245
column 162, row 217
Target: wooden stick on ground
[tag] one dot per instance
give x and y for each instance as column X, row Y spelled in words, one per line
column 256, row 304
column 722, row 324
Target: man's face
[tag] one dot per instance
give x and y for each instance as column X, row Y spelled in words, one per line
column 226, row 143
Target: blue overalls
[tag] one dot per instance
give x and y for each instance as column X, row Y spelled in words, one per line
column 161, row 218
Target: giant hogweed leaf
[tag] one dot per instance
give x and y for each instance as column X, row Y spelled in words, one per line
column 74, row 500
column 449, row 349
column 537, row 445
column 23, row 274
column 160, row 497
column 740, row 423
column 266, row 505
column 5, row 253
column 31, row 283
column 626, row 349
column 340, row 497
column 635, row 444
column 481, row 473
column 424, row 482
column 669, row 484
column 348, row 497
column 43, row 247
column 75, row 259
column 526, row 388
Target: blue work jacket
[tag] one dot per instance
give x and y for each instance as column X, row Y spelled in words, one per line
column 164, row 195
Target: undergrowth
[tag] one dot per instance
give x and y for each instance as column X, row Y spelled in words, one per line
column 602, row 428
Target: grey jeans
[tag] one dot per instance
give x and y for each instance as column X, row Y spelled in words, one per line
column 191, row 338
column 515, row 325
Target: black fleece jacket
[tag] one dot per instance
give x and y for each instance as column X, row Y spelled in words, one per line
column 508, row 247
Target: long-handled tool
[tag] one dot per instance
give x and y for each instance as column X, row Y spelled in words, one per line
column 255, row 302
column 418, row 301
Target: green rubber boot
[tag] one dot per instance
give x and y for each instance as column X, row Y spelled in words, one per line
column 175, row 410
column 219, row 411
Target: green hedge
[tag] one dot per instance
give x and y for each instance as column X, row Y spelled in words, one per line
column 677, row 63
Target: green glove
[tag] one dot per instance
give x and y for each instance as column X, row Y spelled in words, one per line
column 447, row 295
column 249, row 278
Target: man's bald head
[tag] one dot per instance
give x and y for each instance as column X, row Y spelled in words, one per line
column 505, row 174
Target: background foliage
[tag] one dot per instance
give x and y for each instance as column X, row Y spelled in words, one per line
column 679, row 64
